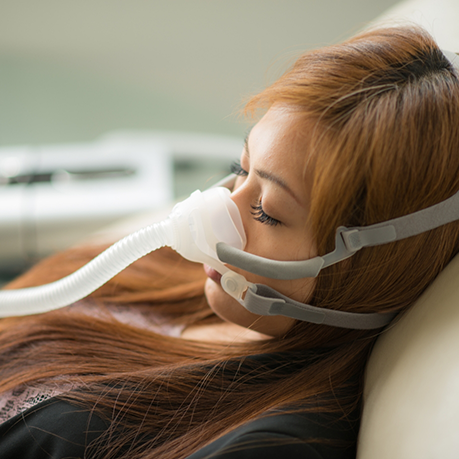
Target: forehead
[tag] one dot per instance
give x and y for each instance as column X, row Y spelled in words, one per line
column 282, row 140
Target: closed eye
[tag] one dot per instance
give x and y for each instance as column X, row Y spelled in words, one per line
column 261, row 216
column 258, row 213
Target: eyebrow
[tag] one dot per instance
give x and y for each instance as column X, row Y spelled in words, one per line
column 271, row 177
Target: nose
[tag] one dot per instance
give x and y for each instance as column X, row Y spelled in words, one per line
column 242, row 197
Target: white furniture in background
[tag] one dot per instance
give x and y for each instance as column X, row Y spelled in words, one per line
column 53, row 196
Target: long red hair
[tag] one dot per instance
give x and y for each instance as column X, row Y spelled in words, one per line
column 386, row 143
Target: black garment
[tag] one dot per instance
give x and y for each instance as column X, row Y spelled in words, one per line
column 55, row 429
column 286, row 435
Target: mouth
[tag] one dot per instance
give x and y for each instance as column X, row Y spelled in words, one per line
column 212, row 274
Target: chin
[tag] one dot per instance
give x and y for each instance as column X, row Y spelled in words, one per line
column 230, row 310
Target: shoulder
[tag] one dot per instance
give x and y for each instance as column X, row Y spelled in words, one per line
column 53, row 428
column 285, row 434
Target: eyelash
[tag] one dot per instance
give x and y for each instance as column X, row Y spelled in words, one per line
column 261, row 216
column 237, row 169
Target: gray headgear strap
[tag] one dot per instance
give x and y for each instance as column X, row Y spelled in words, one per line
column 264, row 300
column 268, row 302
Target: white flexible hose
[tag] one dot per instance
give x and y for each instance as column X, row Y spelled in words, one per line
column 97, row 272
column 193, row 229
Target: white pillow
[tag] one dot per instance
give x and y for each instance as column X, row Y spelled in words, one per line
column 411, row 395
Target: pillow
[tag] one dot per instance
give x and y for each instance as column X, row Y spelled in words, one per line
column 411, row 394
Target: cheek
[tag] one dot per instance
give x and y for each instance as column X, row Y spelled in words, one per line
column 279, row 243
column 294, row 248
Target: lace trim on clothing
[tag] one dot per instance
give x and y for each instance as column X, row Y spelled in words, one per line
column 24, row 397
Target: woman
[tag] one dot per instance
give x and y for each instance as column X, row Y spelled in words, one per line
column 161, row 362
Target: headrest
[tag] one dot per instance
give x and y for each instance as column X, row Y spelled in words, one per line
column 411, row 394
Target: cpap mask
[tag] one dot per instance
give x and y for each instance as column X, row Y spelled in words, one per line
column 207, row 228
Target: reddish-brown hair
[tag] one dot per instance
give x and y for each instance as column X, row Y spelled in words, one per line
column 386, row 110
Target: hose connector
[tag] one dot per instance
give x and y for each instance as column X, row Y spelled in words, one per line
column 235, row 284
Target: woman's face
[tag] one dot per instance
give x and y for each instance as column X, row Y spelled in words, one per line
column 272, row 192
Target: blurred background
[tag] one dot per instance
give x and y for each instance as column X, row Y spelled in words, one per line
column 92, row 90
column 73, row 70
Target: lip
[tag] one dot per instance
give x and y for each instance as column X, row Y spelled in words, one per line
column 212, row 274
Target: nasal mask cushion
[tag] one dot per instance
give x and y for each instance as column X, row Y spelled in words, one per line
column 202, row 221
column 205, row 220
